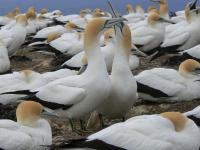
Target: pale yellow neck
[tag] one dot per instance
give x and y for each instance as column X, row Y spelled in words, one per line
column 163, row 9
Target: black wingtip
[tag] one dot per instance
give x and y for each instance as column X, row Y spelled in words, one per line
column 22, row 92
column 142, row 88
column 83, row 143
column 195, row 119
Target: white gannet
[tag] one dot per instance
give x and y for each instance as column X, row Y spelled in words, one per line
column 29, row 132
column 45, row 44
column 123, row 84
column 64, row 47
column 150, row 36
column 31, row 28
column 24, row 80
column 54, row 14
column 151, row 10
column 69, row 43
column 15, row 36
column 73, row 97
column 169, row 85
column 183, row 37
column 166, row 131
column 4, row 20
column 134, row 17
column 27, row 80
column 4, row 59
column 187, row 17
column 42, row 22
column 74, row 17
column 59, row 29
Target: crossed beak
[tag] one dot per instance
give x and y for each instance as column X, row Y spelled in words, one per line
column 113, row 21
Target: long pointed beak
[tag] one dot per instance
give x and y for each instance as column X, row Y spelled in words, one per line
column 197, row 10
column 138, row 52
column 82, row 69
column 197, row 71
column 79, row 29
column 48, row 114
column 113, row 21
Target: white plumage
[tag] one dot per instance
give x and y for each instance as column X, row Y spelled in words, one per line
column 160, row 84
column 28, row 132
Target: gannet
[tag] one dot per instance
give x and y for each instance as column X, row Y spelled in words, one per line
column 169, row 85
column 166, row 131
column 14, row 37
column 29, row 132
column 123, row 83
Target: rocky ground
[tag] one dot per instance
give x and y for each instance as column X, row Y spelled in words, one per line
column 61, row 128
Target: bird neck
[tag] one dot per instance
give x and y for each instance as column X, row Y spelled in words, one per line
column 188, row 15
column 121, row 61
column 94, row 55
column 163, row 10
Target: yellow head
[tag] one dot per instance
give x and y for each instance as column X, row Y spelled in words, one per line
column 92, row 30
column 30, row 14
column 70, row 26
column 98, row 13
column 98, row 10
column 178, row 120
column 21, row 19
column 129, row 8
column 152, row 9
column 28, row 113
column 17, row 11
column 125, row 39
column 139, row 9
column 187, row 67
column 153, row 18
column 52, row 36
column 31, row 9
column 188, row 15
column 27, row 73
column 44, row 11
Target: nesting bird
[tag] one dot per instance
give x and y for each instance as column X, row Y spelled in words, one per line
column 169, row 85
column 29, row 132
column 169, row 130
column 14, row 37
